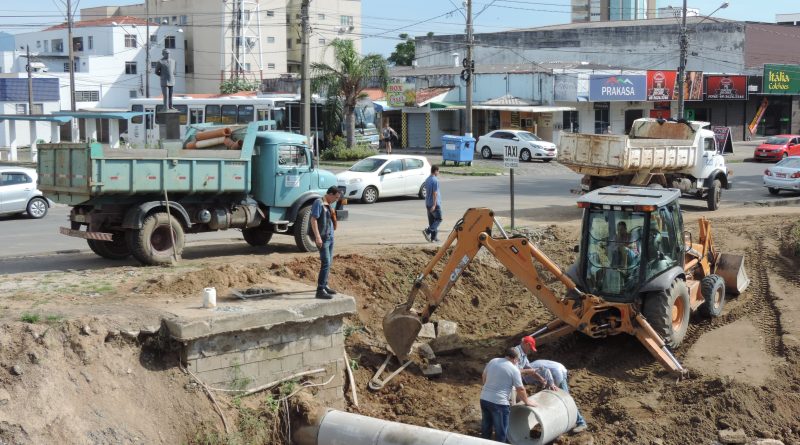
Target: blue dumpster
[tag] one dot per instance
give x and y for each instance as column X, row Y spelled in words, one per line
column 457, row 149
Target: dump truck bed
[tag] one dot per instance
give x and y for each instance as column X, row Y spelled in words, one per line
column 610, row 155
column 74, row 173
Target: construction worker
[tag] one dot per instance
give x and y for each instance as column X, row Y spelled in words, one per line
column 499, row 377
column 546, row 373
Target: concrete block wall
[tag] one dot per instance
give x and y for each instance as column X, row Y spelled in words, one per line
column 260, row 356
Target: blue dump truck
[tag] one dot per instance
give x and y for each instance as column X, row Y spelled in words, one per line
column 143, row 202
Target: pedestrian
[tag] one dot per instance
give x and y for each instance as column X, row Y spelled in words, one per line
column 388, row 132
column 500, row 376
column 323, row 222
column 433, row 204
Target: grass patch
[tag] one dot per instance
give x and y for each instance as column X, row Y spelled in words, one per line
column 30, row 318
column 54, row 319
column 474, row 170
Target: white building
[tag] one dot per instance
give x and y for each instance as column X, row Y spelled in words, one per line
column 251, row 39
column 110, row 59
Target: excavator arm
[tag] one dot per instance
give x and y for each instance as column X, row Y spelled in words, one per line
column 577, row 310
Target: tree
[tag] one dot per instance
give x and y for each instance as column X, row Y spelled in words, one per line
column 403, row 54
column 231, row 86
column 347, row 79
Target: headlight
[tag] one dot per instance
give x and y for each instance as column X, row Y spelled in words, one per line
column 354, row 181
column 536, row 147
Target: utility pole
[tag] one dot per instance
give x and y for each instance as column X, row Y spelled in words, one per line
column 469, row 67
column 71, row 59
column 684, row 42
column 147, row 49
column 305, row 89
column 29, row 69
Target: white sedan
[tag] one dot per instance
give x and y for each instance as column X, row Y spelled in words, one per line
column 19, row 193
column 785, row 175
column 384, row 176
column 529, row 146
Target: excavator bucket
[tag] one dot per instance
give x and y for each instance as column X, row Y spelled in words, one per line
column 401, row 327
column 731, row 268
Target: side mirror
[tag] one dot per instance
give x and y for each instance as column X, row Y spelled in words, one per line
column 515, row 138
column 386, row 171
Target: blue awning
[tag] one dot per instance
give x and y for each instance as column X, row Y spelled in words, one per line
column 35, row 117
column 103, row 114
column 381, row 106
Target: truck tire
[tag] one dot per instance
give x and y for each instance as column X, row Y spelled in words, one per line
column 257, row 236
column 302, row 224
column 712, row 288
column 713, row 196
column 668, row 311
column 152, row 244
column 116, row 249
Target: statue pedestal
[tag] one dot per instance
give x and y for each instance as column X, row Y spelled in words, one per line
column 170, row 125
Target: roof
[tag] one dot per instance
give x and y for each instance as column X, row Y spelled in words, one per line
column 425, row 95
column 122, row 20
column 520, row 68
column 374, row 93
column 668, row 21
column 508, row 99
column 629, row 196
column 35, row 118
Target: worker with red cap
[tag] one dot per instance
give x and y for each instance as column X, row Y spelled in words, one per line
column 546, row 373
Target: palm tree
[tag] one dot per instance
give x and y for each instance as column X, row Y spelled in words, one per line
column 347, row 79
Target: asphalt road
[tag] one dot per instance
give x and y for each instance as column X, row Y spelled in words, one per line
column 543, row 193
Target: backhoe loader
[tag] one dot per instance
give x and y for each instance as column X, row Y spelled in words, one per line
column 638, row 272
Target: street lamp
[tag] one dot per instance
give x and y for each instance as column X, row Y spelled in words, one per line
column 684, row 47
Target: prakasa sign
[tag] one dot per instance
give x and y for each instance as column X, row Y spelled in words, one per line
column 617, row 87
column 781, row 79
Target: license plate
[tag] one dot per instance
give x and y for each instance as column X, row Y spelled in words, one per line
column 780, row 175
column 762, row 154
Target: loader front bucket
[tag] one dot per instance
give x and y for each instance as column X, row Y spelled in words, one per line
column 401, row 327
column 731, row 268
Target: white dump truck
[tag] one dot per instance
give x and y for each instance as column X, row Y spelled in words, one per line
column 656, row 153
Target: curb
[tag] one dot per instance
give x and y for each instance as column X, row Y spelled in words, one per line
column 772, row 202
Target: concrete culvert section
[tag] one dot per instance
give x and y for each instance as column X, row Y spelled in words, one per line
column 555, row 415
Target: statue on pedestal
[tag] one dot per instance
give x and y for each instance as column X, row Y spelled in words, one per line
column 165, row 69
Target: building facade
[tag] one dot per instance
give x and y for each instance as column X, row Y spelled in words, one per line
column 250, row 39
column 612, row 10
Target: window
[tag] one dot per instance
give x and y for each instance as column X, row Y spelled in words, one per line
column 321, row 41
column 58, row 45
column 22, row 108
column 247, row 66
column 38, row 43
column 130, row 67
column 153, row 65
column 169, row 42
column 320, row 16
column 292, row 156
column 395, row 166
column 90, row 42
column 570, row 121
column 133, row 94
column 601, row 121
column 346, row 20
column 66, row 67
column 270, row 66
column 270, row 13
column 213, row 114
column 183, row 20
column 663, row 250
column 195, row 116
column 87, row 96
column 183, row 119
column 46, row 46
column 38, row 109
column 245, row 114
column 710, row 144
column 412, row 164
column 614, row 248
column 270, row 39
column 174, row 19
column 298, row 41
column 77, row 43
column 130, row 41
column 228, row 114
column 289, row 43
column 136, row 119
column 153, row 38
column 12, row 178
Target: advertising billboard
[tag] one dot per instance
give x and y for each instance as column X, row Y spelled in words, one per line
column 661, row 85
column 617, row 87
column 781, row 79
column 400, row 94
column 726, row 87
column 692, row 88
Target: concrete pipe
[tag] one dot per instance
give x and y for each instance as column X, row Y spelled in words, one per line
column 341, row 428
column 555, row 415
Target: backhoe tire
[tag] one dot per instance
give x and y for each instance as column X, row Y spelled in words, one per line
column 713, row 197
column 302, row 224
column 152, row 244
column 712, row 288
column 257, row 236
column 668, row 311
column 116, row 249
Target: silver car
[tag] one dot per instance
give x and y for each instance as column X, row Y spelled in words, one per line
column 785, row 175
column 18, row 193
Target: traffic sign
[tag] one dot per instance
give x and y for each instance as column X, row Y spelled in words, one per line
column 511, row 156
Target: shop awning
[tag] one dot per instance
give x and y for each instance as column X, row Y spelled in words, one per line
column 102, row 114
column 35, row 118
column 381, row 106
column 520, row 109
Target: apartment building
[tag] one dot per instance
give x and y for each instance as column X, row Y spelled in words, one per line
column 251, row 39
column 613, row 10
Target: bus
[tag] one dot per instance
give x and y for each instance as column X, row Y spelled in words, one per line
column 285, row 110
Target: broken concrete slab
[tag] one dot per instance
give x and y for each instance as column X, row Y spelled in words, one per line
column 446, row 327
column 427, row 331
column 765, row 442
column 426, row 352
column 448, row 344
column 731, row 436
column 432, row 370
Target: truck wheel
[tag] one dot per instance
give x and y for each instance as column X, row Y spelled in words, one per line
column 302, row 228
column 667, row 312
column 713, row 196
column 257, row 236
column 116, row 249
column 152, row 244
column 370, row 195
column 712, row 288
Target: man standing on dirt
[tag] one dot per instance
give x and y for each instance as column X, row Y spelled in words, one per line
column 433, row 203
column 499, row 377
column 322, row 226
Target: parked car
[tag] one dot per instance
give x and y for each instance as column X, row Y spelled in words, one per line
column 778, row 147
column 384, row 176
column 785, row 175
column 530, row 146
column 18, row 193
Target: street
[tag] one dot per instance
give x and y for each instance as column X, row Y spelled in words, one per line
column 543, row 194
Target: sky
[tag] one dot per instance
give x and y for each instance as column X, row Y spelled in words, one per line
column 383, row 20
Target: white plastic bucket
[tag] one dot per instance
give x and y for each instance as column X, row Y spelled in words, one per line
column 210, row 297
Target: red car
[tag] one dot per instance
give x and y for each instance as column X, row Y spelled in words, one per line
column 778, row 147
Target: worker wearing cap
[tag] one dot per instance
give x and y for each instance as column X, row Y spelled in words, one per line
column 500, row 376
column 547, row 373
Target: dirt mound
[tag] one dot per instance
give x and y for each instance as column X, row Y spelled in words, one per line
column 73, row 382
column 223, row 277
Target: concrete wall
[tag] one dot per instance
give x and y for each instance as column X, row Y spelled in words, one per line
column 253, row 358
